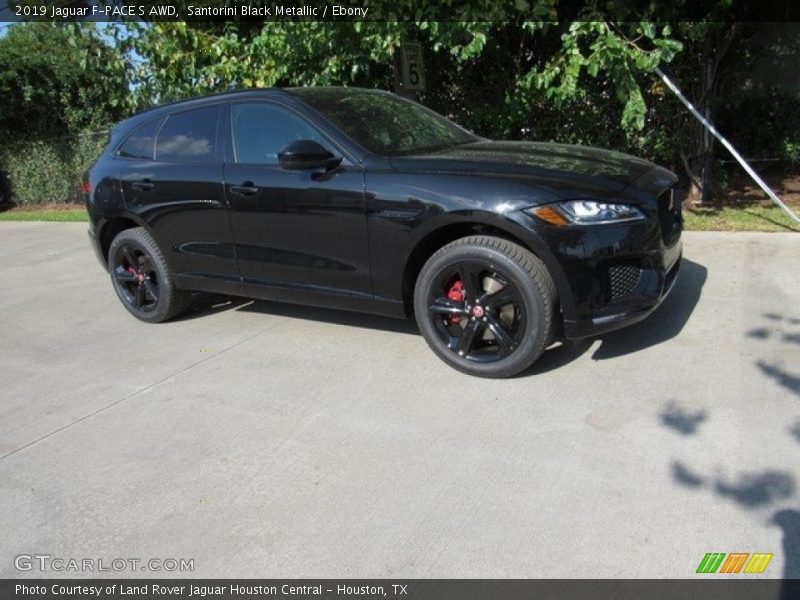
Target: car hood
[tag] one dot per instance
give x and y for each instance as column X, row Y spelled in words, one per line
column 571, row 170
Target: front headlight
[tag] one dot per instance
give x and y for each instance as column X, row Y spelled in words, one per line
column 586, row 212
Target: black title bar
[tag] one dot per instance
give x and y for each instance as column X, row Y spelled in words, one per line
column 397, row 10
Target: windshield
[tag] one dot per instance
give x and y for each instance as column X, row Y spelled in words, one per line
column 384, row 123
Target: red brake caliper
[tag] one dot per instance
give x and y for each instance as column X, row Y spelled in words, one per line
column 456, row 294
column 139, row 277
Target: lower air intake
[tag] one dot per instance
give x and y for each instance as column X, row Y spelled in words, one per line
column 622, row 280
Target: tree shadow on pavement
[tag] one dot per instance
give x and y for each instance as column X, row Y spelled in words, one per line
column 682, row 420
column 794, row 431
column 665, row 323
column 751, row 491
column 683, row 475
column 756, row 491
column 787, row 380
column 789, row 522
column 777, row 331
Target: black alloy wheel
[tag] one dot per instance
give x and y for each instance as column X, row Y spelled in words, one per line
column 142, row 278
column 486, row 306
column 136, row 278
column 478, row 313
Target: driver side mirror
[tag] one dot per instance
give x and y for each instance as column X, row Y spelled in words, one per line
column 306, row 154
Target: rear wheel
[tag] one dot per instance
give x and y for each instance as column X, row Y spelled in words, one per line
column 485, row 306
column 142, row 279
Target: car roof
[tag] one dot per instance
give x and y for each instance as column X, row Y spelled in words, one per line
column 297, row 96
column 166, row 107
column 294, row 93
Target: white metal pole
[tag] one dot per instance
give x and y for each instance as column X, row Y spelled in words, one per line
column 727, row 145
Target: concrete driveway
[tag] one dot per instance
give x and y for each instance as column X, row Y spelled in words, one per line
column 264, row 440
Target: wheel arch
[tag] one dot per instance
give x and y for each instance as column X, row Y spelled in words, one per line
column 113, row 226
column 432, row 241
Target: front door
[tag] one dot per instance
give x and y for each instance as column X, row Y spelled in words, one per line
column 300, row 235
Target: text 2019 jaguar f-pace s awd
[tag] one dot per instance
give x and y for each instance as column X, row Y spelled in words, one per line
column 361, row 200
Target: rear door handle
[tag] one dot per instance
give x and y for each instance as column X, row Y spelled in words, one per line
column 145, row 185
column 246, row 189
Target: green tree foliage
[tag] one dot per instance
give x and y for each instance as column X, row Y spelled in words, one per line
column 521, row 70
column 488, row 75
column 516, row 73
column 58, row 79
column 58, row 82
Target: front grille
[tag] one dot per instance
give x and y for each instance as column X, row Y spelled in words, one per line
column 622, row 280
column 669, row 215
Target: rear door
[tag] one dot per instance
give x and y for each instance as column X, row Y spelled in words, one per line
column 174, row 184
column 300, row 235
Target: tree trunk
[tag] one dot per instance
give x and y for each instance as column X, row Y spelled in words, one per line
column 708, row 142
column 701, row 159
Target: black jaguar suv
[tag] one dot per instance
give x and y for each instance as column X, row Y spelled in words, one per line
column 362, row 200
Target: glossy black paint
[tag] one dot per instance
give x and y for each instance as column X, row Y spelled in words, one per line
column 353, row 236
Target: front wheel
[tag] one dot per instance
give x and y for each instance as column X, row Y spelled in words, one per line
column 485, row 306
column 142, row 278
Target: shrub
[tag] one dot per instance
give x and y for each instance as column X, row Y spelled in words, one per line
column 37, row 173
column 84, row 150
column 51, row 170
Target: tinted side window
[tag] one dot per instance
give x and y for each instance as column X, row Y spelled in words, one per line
column 189, row 136
column 141, row 142
column 384, row 123
column 260, row 131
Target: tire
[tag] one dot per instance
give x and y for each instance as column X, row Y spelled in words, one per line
column 142, row 279
column 453, row 300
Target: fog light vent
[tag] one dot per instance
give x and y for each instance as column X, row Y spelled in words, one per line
column 622, row 280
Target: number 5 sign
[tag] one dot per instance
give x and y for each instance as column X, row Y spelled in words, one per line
column 413, row 67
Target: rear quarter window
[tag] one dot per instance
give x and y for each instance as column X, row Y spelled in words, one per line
column 141, row 143
column 189, row 136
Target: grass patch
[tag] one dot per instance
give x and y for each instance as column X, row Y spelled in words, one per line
column 754, row 217
column 66, row 214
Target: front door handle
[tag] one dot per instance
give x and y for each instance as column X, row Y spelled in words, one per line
column 145, row 185
column 246, row 189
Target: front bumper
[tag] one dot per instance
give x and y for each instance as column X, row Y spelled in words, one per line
column 610, row 276
column 633, row 311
